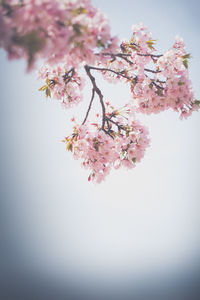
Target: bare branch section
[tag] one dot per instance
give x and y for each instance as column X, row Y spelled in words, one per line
column 90, row 105
column 105, row 119
column 98, row 92
column 125, row 56
column 152, row 71
column 151, row 55
column 120, row 73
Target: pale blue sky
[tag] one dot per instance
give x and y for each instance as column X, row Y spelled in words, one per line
column 138, row 223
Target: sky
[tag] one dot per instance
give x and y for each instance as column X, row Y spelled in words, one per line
column 134, row 233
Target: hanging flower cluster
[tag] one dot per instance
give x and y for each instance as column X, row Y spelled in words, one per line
column 122, row 142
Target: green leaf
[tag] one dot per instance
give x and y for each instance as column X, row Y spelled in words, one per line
column 43, row 88
column 151, row 85
column 150, row 44
column 159, row 92
column 78, row 11
column 100, row 44
column 185, row 63
column 48, row 92
column 69, row 146
column 186, row 56
column 197, row 102
column 133, row 159
column 181, row 83
column 77, row 28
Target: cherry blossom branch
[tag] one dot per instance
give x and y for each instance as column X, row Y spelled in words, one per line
column 58, row 34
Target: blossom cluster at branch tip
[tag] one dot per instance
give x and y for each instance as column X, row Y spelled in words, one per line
column 157, row 81
column 122, row 142
column 62, row 84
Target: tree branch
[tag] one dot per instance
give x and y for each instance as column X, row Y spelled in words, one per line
column 125, row 55
column 68, row 75
column 115, row 123
column 158, row 86
column 92, row 98
column 97, row 90
column 151, row 55
column 121, row 73
column 152, row 71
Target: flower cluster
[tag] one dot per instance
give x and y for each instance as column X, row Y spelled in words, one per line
column 129, row 64
column 62, row 84
column 56, row 30
column 121, row 143
column 157, row 82
column 169, row 87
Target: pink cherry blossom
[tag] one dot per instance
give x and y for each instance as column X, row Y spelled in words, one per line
column 62, row 84
column 99, row 151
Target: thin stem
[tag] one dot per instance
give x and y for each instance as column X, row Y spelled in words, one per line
column 120, row 55
column 158, row 86
column 68, row 76
column 90, row 105
column 97, row 90
column 109, row 126
column 121, row 73
column 152, row 55
column 152, row 71
column 107, row 132
column 119, row 126
column 123, row 55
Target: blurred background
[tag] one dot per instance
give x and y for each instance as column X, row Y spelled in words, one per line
column 136, row 235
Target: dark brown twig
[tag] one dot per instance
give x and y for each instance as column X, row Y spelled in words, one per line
column 152, row 71
column 157, row 85
column 97, row 90
column 90, row 105
column 151, row 55
column 121, row 73
column 68, row 75
column 115, row 123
